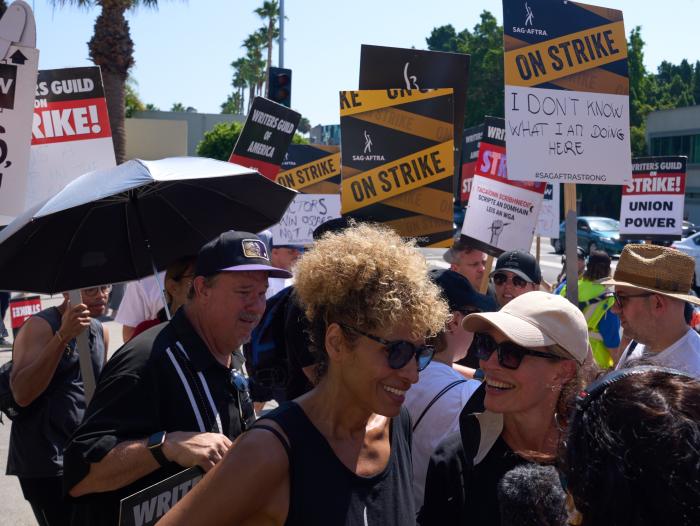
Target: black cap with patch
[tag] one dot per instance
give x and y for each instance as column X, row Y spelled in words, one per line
column 520, row 263
column 235, row 251
column 459, row 293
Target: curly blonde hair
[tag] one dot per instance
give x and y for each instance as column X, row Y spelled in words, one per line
column 367, row 277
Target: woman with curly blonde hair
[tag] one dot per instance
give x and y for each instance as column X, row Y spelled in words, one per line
column 339, row 454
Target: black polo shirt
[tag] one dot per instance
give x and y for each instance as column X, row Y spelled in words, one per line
column 141, row 392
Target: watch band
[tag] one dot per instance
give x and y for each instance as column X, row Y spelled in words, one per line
column 155, row 445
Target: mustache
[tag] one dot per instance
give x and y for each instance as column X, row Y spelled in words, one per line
column 250, row 317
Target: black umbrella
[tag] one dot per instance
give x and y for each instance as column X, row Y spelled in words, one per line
column 123, row 223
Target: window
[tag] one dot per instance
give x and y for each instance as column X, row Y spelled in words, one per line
column 677, row 145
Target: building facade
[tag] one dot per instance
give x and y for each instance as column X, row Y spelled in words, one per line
column 677, row 132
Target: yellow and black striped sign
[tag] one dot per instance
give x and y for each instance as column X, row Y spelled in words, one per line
column 398, row 161
column 311, row 169
column 573, row 46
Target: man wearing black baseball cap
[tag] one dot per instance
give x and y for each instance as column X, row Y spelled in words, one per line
column 436, row 401
column 170, row 399
column 516, row 273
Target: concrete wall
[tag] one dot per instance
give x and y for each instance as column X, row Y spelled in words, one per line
column 197, row 123
column 680, row 121
column 151, row 139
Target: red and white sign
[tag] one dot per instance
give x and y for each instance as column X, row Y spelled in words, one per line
column 501, row 214
column 21, row 309
column 652, row 203
column 70, row 131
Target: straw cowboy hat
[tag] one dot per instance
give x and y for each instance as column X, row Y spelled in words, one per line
column 656, row 269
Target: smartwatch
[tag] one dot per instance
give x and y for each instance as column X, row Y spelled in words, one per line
column 155, row 446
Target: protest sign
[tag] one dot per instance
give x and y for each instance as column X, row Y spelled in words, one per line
column 18, row 70
column 23, row 308
column 304, row 214
column 398, row 161
column 501, row 214
column 652, row 203
column 71, row 134
column 266, row 135
column 311, row 169
column 147, row 506
column 566, row 92
column 470, row 153
column 548, row 220
column 390, row 67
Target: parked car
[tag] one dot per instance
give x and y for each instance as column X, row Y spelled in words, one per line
column 688, row 230
column 691, row 246
column 594, row 233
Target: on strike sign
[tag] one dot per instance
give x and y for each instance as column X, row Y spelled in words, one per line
column 652, row 203
column 70, row 130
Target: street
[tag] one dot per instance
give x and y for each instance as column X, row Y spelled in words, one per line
column 16, row 511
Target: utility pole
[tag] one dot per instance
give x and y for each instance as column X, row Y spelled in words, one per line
column 281, row 60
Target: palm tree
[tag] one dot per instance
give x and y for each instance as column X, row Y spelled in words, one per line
column 112, row 49
column 253, row 66
column 269, row 11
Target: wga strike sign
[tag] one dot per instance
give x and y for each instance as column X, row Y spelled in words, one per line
column 566, row 93
column 266, row 135
column 652, row 203
column 501, row 214
column 70, row 130
column 397, row 161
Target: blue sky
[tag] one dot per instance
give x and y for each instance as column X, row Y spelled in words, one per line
column 184, row 49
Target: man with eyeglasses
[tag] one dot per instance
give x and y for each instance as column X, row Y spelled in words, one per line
column 170, row 398
column 516, row 273
column 652, row 285
column 436, row 401
column 46, row 380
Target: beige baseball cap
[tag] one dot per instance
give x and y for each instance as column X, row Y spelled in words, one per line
column 538, row 319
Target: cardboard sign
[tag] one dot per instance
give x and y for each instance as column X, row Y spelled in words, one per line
column 549, row 220
column 304, row 214
column 652, row 203
column 397, row 161
column 266, row 135
column 470, row 153
column 501, row 214
column 17, row 82
column 71, row 134
column 311, row 169
column 566, row 93
column 390, row 67
column 147, row 506
column 21, row 309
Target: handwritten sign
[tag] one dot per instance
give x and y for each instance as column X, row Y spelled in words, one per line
column 566, row 93
column 305, row 213
column 652, row 203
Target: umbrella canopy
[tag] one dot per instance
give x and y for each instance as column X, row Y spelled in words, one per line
column 115, row 225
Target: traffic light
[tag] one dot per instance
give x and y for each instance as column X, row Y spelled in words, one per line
column 279, row 86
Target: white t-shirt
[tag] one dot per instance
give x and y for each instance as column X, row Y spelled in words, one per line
column 274, row 285
column 440, row 420
column 142, row 300
column 683, row 355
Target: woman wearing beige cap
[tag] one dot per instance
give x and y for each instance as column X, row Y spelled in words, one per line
column 535, row 357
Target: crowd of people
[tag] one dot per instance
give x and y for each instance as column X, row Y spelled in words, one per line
column 405, row 395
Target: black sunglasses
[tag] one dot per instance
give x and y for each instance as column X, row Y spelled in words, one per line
column 510, row 354
column 500, row 279
column 621, row 300
column 400, row 352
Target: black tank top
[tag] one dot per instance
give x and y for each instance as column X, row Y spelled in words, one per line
column 323, row 491
column 37, row 441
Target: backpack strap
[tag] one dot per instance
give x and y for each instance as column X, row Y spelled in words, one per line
column 435, row 399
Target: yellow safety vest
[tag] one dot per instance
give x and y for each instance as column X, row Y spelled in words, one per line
column 594, row 304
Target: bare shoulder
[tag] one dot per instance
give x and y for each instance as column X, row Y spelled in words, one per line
column 35, row 333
